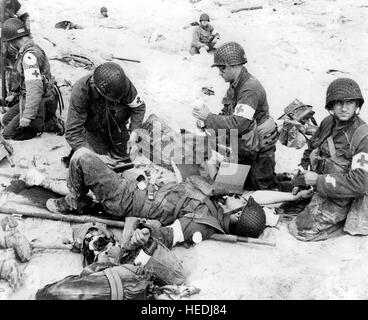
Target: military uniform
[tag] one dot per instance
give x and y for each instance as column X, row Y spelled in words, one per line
column 37, row 98
column 339, row 154
column 246, row 110
column 99, row 124
column 123, row 198
column 202, row 35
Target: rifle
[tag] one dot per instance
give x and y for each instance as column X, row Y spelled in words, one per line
column 45, row 214
column 2, row 55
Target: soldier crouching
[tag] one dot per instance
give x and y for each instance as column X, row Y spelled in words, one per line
column 338, row 160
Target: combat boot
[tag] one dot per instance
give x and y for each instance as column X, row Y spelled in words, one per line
column 63, row 205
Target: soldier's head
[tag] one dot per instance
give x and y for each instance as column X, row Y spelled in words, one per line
column 204, row 19
column 103, row 11
column 250, row 222
column 229, row 59
column 110, row 81
column 14, row 32
column 344, row 99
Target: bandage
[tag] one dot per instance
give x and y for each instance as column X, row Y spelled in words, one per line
column 178, row 235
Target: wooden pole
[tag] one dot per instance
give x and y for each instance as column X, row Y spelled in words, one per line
column 39, row 213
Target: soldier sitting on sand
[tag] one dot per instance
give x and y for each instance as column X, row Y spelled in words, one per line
column 203, row 36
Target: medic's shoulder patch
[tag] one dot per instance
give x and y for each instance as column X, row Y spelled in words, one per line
column 360, row 161
column 136, row 102
column 29, row 59
column 244, row 110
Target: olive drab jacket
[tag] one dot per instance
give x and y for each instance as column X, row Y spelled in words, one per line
column 190, row 202
column 87, row 111
column 36, row 83
column 202, row 36
column 246, row 110
column 339, row 154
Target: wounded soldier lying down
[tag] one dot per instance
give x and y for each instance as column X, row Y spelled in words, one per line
column 183, row 209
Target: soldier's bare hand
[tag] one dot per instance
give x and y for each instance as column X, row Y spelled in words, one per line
column 304, row 194
column 201, row 113
column 310, row 178
column 140, row 237
column 24, row 122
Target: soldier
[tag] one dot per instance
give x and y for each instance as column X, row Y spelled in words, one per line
column 183, row 209
column 337, row 158
column 100, row 106
column 203, row 36
column 38, row 99
column 246, row 112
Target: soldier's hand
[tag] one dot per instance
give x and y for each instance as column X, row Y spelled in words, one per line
column 140, row 237
column 304, row 194
column 24, row 122
column 310, row 178
column 132, row 147
column 10, row 98
column 201, row 113
column 110, row 162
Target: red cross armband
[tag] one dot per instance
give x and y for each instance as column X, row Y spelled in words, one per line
column 136, row 102
column 360, row 161
column 30, row 67
column 244, row 110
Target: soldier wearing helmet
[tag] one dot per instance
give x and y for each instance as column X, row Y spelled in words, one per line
column 203, row 36
column 337, row 167
column 103, row 12
column 245, row 117
column 101, row 105
column 38, row 100
column 182, row 209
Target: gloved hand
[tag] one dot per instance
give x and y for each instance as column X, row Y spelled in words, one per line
column 24, row 122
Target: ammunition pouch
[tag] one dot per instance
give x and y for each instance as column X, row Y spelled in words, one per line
column 267, row 135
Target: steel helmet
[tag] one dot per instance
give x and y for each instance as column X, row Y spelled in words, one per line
column 229, row 54
column 14, row 28
column 204, row 17
column 110, row 80
column 252, row 220
column 343, row 89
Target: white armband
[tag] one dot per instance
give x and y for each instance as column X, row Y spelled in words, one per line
column 360, row 161
column 136, row 102
column 244, row 110
column 31, row 68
